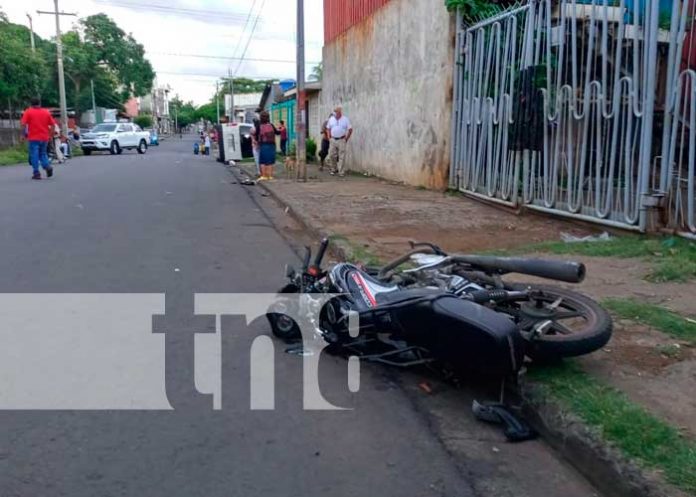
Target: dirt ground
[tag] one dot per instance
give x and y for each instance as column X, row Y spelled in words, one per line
column 383, row 217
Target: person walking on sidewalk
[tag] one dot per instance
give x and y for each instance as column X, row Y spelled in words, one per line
column 265, row 136
column 340, row 131
column 283, row 138
column 325, row 142
column 40, row 125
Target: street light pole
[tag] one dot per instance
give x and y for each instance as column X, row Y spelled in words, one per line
column 300, row 125
column 31, row 30
column 61, row 74
column 217, row 100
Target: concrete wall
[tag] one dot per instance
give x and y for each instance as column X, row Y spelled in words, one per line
column 393, row 75
column 314, row 120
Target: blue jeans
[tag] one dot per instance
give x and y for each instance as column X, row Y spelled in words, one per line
column 38, row 153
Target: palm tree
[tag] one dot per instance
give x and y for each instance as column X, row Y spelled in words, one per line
column 317, row 72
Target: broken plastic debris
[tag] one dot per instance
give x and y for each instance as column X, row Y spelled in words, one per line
column 568, row 238
column 425, row 387
column 299, row 350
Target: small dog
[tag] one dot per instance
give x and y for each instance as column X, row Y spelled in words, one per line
column 290, row 167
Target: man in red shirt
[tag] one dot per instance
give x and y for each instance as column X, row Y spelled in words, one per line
column 40, row 126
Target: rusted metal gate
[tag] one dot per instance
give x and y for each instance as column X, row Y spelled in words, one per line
column 557, row 106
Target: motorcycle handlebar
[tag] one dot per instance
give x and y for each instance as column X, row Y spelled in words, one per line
column 320, row 253
column 571, row 272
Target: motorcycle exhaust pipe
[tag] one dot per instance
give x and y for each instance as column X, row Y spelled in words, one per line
column 570, row 272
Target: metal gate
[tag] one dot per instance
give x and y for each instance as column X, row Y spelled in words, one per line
column 554, row 109
column 678, row 151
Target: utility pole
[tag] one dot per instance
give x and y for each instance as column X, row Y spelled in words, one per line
column 217, row 100
column 233, row 117
column 300, row 124
column 61, row 74
column 31, row 30
column 94, row 101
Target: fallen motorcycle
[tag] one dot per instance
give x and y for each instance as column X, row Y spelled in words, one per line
column 451, row 309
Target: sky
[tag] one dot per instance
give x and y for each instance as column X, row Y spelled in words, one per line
column 192, row 43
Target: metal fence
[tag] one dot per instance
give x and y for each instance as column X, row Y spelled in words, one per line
column 559, row 107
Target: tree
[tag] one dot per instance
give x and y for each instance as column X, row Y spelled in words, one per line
column 244, row 85
column 184, row 112
column 120, row 53
column 207, row 112
column 317, row 72
column 21, row 70
column 144, row 121
column 80, row 64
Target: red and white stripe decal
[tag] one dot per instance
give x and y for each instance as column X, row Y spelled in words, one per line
column 357, row 277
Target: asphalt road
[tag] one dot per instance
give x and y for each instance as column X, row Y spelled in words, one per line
column 169, row 222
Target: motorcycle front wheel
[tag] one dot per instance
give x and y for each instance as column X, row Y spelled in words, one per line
column 279, row 315
column 569, row 324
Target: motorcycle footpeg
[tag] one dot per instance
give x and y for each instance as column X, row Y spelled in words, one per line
column 516, row 430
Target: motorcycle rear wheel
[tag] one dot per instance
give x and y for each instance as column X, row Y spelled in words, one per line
column 579, row 324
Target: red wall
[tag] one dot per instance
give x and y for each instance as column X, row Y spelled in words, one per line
column 340, row 15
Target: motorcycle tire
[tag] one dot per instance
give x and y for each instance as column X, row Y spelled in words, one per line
column 282, row 325
column 591, row 337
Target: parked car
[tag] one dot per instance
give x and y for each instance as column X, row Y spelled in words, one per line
column 115, row 137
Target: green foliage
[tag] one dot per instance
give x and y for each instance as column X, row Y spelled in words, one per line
column 311, row 147
column 184, row 112
column 658, row 317
column 207, row 112
column 317, row 72
column 641, row 436
column 674, row 259
column 14, row 155
column 143, row 120
column 120, row 53
column 22, row 72
column 474, row 10
column 242, row 86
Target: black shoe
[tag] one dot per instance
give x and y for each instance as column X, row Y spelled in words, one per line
column 49, row 172
column 36, row 176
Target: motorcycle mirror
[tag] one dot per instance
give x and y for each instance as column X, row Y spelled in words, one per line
column 307, row 258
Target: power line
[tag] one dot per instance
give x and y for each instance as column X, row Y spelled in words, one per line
column 246, row 23
column 222, row 57
column 204, row 14
column 251, row 35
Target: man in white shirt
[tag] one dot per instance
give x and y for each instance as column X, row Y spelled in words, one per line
column 338, row 131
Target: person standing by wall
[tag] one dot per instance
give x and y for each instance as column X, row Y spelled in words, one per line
column 283, row 138
column 265, row 135
column 255, row 146
column 325, row 142
column 340, row 131
column 40, row 125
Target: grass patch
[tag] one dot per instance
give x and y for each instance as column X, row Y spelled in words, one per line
column 658, row 317
column 356, row 253
column 674, row 258
column 14, row 155
column 638, row 434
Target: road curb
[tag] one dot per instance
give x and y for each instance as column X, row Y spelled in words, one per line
column 315, row 232
column 582, row 448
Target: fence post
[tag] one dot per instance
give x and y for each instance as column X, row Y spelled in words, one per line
column 644, row 164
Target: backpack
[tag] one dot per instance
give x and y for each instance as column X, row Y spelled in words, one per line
column 266, row 133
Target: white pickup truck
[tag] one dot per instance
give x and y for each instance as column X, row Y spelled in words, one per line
column 115, row 137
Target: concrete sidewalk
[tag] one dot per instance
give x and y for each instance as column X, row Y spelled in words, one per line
column 383, row 216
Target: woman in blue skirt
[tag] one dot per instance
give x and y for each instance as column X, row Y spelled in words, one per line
column 265, row 136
